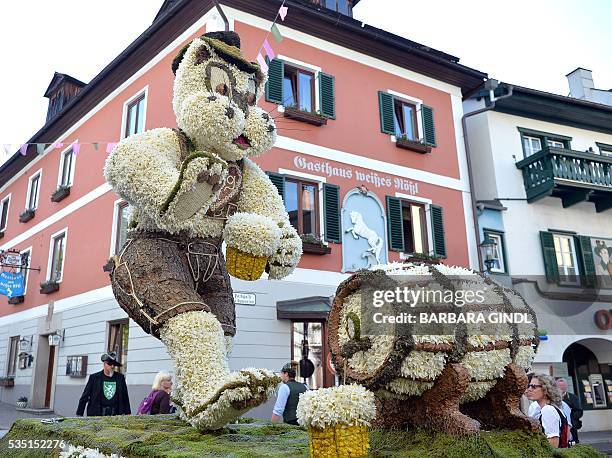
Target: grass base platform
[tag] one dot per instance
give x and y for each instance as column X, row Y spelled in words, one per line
column 167, row 436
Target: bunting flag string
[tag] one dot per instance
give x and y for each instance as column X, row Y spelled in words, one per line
column 274, row 30
column 42, row 147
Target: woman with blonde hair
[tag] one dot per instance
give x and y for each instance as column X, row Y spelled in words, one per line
column 158, row 400
column 543, row 390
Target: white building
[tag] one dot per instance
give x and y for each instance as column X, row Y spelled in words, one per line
column 542, row 171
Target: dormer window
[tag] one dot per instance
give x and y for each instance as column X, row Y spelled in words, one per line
column 341, row 6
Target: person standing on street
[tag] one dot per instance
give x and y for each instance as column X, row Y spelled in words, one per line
column 106, row 391
column 575, row 411
column 285, row 408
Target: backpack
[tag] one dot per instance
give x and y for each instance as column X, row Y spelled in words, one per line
column 564, row 429
column 147, row 403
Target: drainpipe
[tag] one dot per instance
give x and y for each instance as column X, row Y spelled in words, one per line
column 216, row 2
column 490, row 84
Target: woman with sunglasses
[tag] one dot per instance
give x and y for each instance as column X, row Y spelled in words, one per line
column 543, row 390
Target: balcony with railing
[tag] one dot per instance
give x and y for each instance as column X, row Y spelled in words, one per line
column 573, row 176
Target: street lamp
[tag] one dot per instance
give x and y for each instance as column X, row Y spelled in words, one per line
column 488, row 246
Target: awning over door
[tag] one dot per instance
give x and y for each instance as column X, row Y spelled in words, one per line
column 306, row 308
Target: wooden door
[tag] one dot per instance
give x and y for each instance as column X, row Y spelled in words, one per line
column 50, row 367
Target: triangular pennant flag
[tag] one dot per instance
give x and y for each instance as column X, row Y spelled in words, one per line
column 96, row 146
column 110, row 147
column 276, row 33
column 40, row 148
column 7, row 149
column 23, row 149
column 269, row 50
column 282, row 12
column 58, row 145
column 76, row 147
column 262, row 63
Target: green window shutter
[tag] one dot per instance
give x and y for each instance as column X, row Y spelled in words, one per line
column 278, row 180
column 274, row 85
column 437, row 227
column 550, row 257
column 395, row 224
column 327, row 97
column 584, row 252
column 331, row 204
column 429, row 129
column 385, row 107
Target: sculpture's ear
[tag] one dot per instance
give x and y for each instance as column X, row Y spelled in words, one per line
column 179, row 57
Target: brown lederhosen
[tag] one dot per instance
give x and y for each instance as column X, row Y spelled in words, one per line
column 158, row 275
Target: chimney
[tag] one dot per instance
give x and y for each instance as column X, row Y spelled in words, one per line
column 580, row 84
column 61, row 90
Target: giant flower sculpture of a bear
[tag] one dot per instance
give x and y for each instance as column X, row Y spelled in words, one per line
column 192, row 188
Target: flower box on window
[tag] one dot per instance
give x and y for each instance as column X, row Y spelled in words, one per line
column 314, row 245
column 60, row 193
column 27, row 215
column 7, row 381
column 49, row 287
column 412, row 145
column 15, row 300
column 305, row 116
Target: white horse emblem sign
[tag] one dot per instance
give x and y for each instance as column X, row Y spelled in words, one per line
column 360, row 229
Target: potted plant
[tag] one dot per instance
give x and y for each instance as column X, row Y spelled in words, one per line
column 60, row 193
column 310, row 117
column 27, row 215
column 423, row 258
column 22, row 402
column 49, row 286
column 417, row 146
column 314, row 245
column 7, row 381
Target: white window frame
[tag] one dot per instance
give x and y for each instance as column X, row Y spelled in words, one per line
column 117, row 204
column 499, row 239
column 15, row 358
column 50, row 260
column 319, row 180
column 61, row 166
column 427, row 202
column 554, row 145
column 8, row 210
column 523, row 137
column 418, row 104
column 576, row 281
column 26, row 275
column 38, row 173
column 305, row 66
column 127, row 103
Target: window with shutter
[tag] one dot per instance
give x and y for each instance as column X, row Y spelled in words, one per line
column 331, row 204
column 278, row 180
column 395, row 224
column 327, row 101
column 588, row 277
column 550, row 257
column 429, row 129
column 274, row 86
column 437, row 229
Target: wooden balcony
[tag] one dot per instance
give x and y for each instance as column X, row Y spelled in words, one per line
column 573, row 176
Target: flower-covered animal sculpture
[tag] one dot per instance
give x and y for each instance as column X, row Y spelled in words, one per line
column 464, row 377
column 191, row 188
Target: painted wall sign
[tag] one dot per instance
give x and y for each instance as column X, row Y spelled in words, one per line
column 11, row 284
column 245, row 298
column 602, row 257
column 365, row 177
column 364, row 238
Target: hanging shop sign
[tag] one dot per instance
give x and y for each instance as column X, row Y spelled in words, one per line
column 11, row 284
column 603, row 319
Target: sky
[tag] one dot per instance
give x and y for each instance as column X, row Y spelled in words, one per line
column 532, row 43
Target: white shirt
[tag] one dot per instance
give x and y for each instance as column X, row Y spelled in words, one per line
column 535, row 411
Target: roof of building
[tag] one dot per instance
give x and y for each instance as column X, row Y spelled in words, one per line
column 175, row 16
column 555, row 108
column 58, row 78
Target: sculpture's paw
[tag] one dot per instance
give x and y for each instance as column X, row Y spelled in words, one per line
column 240, row 392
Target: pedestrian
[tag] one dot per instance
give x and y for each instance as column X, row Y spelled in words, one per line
column 574, row 406
column 106, row 392
column 543, row 390
column 285, row 408
column 158, row 400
